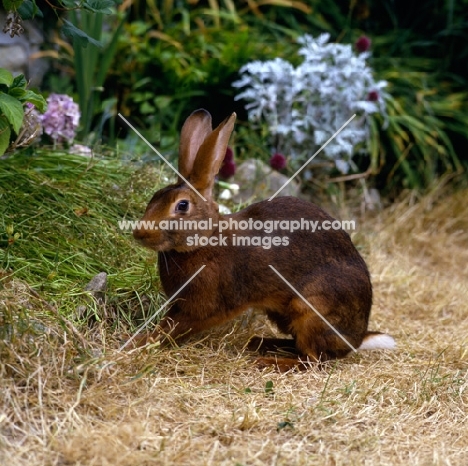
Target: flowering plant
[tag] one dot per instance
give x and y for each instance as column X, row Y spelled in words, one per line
column 304, row 106
column 61, row 119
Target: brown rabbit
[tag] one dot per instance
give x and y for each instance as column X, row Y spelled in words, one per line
column 324, row 267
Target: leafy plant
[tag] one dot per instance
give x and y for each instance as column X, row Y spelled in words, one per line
column 92, row 63
column 425, row 116
column 420, row 50
column 161, row 78
column 14, row 96
column 22, row 10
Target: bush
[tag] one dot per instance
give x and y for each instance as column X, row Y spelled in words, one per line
column 18, row 125
column 166, row 69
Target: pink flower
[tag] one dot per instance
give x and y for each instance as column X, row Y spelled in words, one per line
column 363, row 44
column 278, row 162
column 373, row 96
column 61, row 119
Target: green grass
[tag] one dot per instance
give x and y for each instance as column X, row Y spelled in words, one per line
column 59, row 226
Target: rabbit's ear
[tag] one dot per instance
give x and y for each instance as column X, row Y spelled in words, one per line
column 195, row 130
column 210, row 157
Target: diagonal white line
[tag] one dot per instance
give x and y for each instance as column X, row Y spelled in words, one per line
column 157, row 152
column 162, row 307
column 313, row 308
column 300, row 169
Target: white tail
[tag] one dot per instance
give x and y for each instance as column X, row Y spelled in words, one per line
column 377, row 341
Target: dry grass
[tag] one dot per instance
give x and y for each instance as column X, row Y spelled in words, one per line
column 204, row 403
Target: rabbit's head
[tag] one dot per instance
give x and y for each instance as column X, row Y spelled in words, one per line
column 201, row 153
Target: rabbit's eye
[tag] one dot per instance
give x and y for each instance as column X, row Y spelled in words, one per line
column 182, row 206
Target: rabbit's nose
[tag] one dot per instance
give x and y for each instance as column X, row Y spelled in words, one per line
column 140, row 234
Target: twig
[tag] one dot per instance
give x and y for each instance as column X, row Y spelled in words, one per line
column 354, row 176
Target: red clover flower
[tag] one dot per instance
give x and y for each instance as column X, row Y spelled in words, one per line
column 278, row 161
column 373, row 96
column 228, row 168
column 363, row 44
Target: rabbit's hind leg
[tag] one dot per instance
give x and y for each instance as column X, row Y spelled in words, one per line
column 287, row 356
column 320, row 337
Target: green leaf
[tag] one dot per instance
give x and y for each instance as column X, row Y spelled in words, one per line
column 12, row 4
column 24, row 95
column 13, row 111
column 163, row 102
column 269, row 387
column 5, row 133
column 29, row 10
column 36, row 99
column 99, row 6
column 71, row 4
column 5, row 77
column 78, row 36
column 283, row 425
column 17, row 92
column 109, row 54
column 146, row 108
column 19, row 81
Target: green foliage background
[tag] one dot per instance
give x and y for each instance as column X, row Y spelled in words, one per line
column 177, row 56
column 158, row 60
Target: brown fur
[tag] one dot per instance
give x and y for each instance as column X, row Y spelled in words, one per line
column 323, row 266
